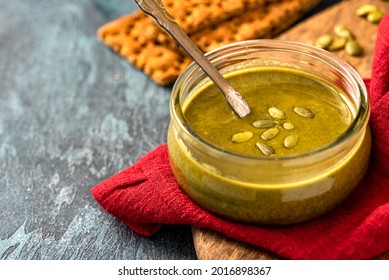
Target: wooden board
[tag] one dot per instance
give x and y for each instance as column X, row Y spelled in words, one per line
column 342, row 13
column 211, row 245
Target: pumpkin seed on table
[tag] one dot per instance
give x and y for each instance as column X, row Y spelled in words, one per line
column 337, row 44
column 270, row 133
column 264, row 123
column 304, row 112
column 375, row 17
column 242, row 137
column 366, row 9
column 373, row 13
column 291, row 141
column 265, row 149
column 353, row 48
column 276, row 113
column 324, row 41
column 343, row 32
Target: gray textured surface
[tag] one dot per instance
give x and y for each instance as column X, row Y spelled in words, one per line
column 66, row 124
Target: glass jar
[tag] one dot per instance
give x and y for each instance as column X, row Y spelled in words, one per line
column 270, row 190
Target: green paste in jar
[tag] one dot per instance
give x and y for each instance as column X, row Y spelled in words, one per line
column 210, row 117
column 236, row 180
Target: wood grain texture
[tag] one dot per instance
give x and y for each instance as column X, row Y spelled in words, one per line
column 342, row 13
column 210, row 245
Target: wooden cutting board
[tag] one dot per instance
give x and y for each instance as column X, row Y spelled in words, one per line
column 211, row 245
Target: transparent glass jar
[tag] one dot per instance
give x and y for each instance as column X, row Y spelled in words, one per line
column 275, row 190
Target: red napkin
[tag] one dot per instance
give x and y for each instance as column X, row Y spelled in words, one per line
column 146, row 195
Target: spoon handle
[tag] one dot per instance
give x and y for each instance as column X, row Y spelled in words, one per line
column 156, row 9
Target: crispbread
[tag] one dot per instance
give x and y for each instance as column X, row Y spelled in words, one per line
column 132, row 37
column 195, row 15
column 137, row 38
column 264, row 22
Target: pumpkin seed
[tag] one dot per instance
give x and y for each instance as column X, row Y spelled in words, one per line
column 270, row 133
column 276, row 113
column 242, row 137
column 343, row 32
column 265, row 149
column 353, row 48
column 375, row 17
column 288, row 125
column 324, row 41
column 291, row 141
column 304, row 112
column 264, row 123
column 337, row 44
column 366, row 9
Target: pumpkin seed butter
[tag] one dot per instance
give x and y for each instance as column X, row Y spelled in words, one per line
column 243, row 171
column 291, row 112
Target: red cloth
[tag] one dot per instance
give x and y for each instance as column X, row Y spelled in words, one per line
column 146, row 195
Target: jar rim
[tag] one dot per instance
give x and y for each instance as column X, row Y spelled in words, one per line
column 359, row 122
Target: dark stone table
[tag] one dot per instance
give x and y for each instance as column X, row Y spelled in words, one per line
column 73, row 113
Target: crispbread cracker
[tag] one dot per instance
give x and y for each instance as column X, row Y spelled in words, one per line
column 195, row 15
column 132, row 37
column 264, row 22
column 137, row 38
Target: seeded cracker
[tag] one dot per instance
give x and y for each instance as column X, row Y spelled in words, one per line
column 195, row 15
column 261, row 23
column 137, row 38
column 132, row 37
